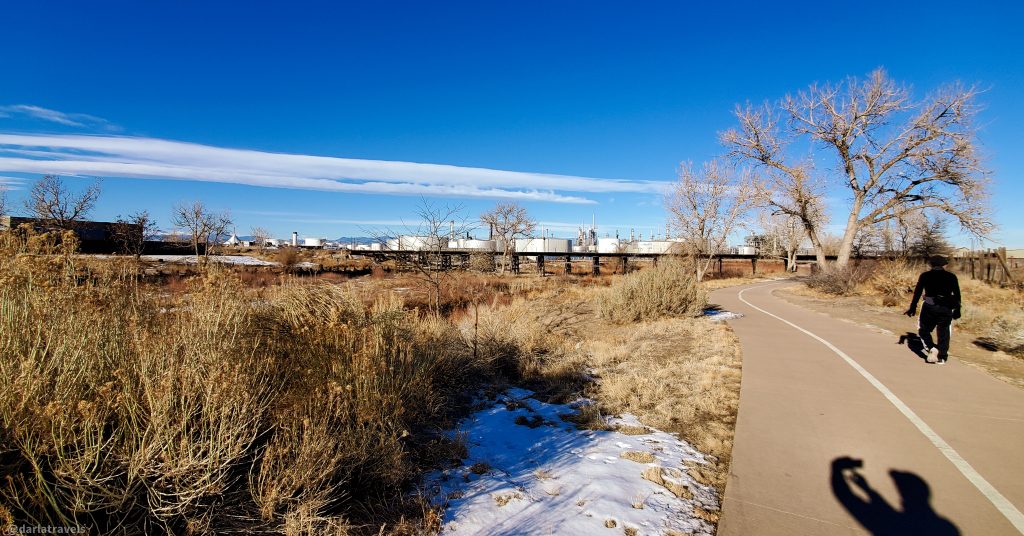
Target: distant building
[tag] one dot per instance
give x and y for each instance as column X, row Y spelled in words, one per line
column 95, row 236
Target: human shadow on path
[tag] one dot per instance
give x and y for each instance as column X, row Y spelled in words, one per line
column 914, row 344
column 879, row 517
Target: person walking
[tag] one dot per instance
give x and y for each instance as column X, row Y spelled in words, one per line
column 941, row 306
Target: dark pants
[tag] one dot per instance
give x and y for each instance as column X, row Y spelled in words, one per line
column 935, row 317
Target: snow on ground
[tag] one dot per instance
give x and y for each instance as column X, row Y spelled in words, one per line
column 720, row 315
column 530, row 472
column 225, row 259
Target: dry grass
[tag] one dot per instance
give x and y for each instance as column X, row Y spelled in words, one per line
column 715, row 284
column 305, row 407
column 994, row 315
column 295, row 409
column 679, row 375
column 893, row 279
column 668, row 289
column 638, row 456
column 668, row 478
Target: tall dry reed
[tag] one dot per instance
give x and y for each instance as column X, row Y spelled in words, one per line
column 292, row 410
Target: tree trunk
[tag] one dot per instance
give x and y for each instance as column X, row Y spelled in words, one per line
column 852, row 227
column 819, row 252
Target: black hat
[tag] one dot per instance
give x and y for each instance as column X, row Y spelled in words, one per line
column 937, row 260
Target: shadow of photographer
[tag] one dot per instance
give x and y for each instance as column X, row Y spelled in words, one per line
column 876, row 515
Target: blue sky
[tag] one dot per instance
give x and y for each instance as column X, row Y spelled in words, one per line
column 590, row 105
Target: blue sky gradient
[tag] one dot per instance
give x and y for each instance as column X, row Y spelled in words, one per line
column 610, row 91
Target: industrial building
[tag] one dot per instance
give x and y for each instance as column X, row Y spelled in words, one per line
column 94, row 236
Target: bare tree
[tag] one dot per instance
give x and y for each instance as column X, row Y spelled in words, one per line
column 706, row 206
column 51, row 201
column 203, row 226
column 131, row 233
column 785, row 233
column 900, row 233
column 870, row 240
column 427, row 242
column 3, row 200
column 893, row 154
column 260, row 236
column 508, row 221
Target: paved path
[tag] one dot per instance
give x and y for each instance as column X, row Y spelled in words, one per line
column 941, row 448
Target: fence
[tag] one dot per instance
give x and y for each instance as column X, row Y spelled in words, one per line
column 990, row 266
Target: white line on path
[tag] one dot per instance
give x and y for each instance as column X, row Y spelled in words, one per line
column 991, row 493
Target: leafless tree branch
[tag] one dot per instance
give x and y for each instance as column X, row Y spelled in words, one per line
column 895, row 155
column 706, row 206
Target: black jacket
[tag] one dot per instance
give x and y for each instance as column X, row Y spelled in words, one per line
column 940, row 285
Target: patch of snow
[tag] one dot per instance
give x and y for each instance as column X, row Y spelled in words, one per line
column 553, row 478
column 721, row 315
column 243, row 260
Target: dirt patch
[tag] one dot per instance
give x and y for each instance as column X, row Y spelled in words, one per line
column 865, row 311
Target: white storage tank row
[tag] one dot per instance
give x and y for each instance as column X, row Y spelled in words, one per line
column 475, row 244
column 414, row 243
column 657, row 246
column 543, row 245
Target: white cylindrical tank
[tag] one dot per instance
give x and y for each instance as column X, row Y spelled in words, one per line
column 528, row 245
column 312, row 242
column 746, row 250
column 557, row 245
column 419, row 243
column 655, row 246
column 481, row 245
column 580, row 249
column 608, row 245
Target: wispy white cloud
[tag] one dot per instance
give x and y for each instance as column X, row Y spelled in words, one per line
column 11, row 183
column 115, row 156
column 602, row 227
column 54, row 116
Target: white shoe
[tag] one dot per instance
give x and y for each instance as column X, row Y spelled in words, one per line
column 933, row 355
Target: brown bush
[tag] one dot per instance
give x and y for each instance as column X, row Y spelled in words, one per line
column 220, row 409
column 668, row 289
column 288, row 258
column 839, row 281
column 894, row 279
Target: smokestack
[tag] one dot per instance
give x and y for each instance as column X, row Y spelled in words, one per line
column 451, row 230
column 295, row 239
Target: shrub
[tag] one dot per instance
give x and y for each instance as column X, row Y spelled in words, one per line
column 838, row 281
column 668, row 289
column 221, row 409
column 1007, row 334
column 894, row 279
column 288, row 258
column 482, row 262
